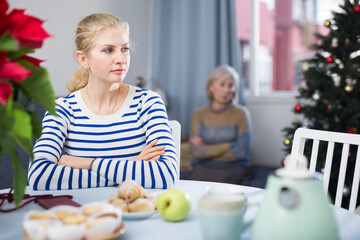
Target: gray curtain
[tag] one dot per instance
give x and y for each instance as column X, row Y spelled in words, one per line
column 190, row 39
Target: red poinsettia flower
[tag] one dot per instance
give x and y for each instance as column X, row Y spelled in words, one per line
column 33, row 60
column 3, row 56
column 5, row 92
column 4, row 6
column 26, row 29
column 14, row 71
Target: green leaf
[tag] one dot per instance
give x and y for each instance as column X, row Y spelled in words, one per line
column 36, row 124
column 20, row 178
column 21, row 52
column 7, row 145
column 6, row 119
column 8, row 43
column 22, row 129
column 22, row 124
column 38, row 87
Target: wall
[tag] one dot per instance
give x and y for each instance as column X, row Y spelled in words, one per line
column 269, row 115
column 61, row 18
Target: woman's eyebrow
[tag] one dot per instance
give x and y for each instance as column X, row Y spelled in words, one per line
column 112, row 45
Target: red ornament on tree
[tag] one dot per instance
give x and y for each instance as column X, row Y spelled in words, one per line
column 329, row 59
column 357, row 8
column 298, row 108
column 352, row 130
column 329, row 108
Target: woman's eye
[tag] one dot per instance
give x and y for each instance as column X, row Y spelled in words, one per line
column 107, row 50
column 125, row 49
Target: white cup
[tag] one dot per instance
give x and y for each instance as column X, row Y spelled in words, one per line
column 221, row 216
column 225, row 189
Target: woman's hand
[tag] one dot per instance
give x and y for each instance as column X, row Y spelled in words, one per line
column 150, row 152
column 197, row 141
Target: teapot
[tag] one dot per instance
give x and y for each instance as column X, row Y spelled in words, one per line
column 295, row 206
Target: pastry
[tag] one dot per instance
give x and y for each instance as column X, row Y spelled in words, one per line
column 130, row 190
column 95, row 220
column 120, row 203
column 112, row 198
column 153, row 199
column 141, row 205
column 74, row 219
column 64, row 214
column 89, row 210
column 42, row 216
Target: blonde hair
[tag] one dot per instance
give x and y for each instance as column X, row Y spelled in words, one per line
column 88, row 28
column 220, row 71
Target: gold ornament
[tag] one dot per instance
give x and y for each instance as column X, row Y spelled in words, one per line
column 327, row 23
column 287, row 142
column 300, row 89
column 347, row 42
column 305, row 66
column 348, row 88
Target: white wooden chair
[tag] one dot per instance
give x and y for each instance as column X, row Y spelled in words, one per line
column 346, row 139
column 175, row 128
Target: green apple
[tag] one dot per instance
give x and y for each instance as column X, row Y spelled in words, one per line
column 173, row 205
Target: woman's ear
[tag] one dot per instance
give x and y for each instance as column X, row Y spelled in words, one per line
column 82, row 59
column 210, row 88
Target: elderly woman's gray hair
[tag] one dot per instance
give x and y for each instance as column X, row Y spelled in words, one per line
column 220, row 71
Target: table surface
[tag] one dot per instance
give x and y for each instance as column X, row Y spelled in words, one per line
column 156, row 227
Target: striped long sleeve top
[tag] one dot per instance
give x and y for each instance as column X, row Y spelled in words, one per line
column 113, row 140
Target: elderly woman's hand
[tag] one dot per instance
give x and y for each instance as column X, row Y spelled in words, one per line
column 150, row 152
column 197, row 141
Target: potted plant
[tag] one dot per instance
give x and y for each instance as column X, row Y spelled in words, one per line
column 22, row 81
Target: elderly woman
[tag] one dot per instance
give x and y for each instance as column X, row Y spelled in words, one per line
column 221, row 132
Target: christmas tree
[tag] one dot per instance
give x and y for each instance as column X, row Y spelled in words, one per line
column 329, row 94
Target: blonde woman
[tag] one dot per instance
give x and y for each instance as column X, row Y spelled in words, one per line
column 105, row 131
column 221, row 132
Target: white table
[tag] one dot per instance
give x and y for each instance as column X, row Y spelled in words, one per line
column 157, row 228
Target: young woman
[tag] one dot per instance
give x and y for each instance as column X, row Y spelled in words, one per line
column 221, row 132
column 105, row 131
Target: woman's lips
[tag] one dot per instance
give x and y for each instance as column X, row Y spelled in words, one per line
column 118, row 71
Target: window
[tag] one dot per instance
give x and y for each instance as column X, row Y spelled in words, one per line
column 279, row 39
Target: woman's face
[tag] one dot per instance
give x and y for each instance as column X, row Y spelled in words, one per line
column 109, row 58
column 223, row 89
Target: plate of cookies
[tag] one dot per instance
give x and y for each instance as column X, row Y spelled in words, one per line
column 134, row 201
column 97, row 220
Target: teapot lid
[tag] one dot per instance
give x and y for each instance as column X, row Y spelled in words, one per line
column 296, row 166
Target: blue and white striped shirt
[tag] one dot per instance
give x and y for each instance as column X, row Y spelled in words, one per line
column 114, row 140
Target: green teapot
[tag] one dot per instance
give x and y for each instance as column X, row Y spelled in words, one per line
column 295, row 206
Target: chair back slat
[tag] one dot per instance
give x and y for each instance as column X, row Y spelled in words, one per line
column 355, row 183
column 175, row 128
column 328, row 163
column 314, row 154
column 342, row 173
